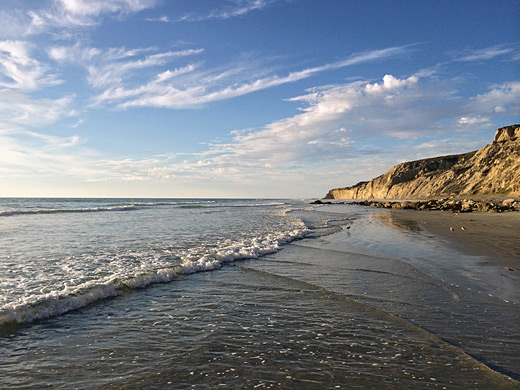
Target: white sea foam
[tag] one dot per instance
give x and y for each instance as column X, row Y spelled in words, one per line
column 235, row 205
column 131, row 206
column 150, row 268
column 173, row 203
column 8, row 213
column 229, row 251
column 55, row 303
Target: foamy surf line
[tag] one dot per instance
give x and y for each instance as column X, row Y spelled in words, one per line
column 174, row 203
column 59, row 302
column 9, row 213
column 199, row 205
column 129, row 207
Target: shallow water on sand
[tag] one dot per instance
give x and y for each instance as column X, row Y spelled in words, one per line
column 241, row 329
column 324, row 312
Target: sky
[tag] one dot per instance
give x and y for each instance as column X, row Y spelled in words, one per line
column 245, row 98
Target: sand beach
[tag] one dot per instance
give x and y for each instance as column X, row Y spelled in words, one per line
column 494, row 235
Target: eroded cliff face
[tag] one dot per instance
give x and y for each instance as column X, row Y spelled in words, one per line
column 493, row 170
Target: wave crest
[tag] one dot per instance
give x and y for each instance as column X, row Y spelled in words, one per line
column 193, row 260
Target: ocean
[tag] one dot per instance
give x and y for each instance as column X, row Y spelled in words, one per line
column 243, row 294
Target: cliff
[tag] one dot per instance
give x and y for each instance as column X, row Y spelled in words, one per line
column 491, row 171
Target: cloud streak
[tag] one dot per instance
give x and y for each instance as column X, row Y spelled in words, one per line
column 18, row 70
column 61, row 15
column 209, row 86
column 20, row 111
column 80, row 13
column 487, row 53
column 239, row 8
column 112, row 68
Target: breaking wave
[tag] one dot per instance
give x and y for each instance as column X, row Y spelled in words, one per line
column 8, row 213
column 192, row 260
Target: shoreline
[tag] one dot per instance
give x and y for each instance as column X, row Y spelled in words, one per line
column 493, row 235
column 483, row 256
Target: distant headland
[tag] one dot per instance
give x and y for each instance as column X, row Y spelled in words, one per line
column 492, row 172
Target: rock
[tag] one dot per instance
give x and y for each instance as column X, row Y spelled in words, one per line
column 508, row 202
column 507, row 133
column 467, row 206
column 493, row 169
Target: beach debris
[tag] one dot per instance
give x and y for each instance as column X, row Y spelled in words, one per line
column 451, row 229
column 510, row 269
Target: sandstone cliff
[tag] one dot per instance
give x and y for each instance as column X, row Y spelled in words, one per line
column 492, row 171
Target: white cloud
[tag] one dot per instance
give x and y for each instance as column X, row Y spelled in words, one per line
column 18, row 70
column 112, row 68
column 238, row 8
column 487, row 53
column 325, row 134
column 111, row 73
column 162, row 19
column 77, row 13
column 14, row 23
column 390, row 82
column 34, row 156
column 476, row 120
column 20, row 111
column 343, row 134
column 214, row 85
column 94, row 8
column 343, row 125
column 505, row 96
column 61, row 15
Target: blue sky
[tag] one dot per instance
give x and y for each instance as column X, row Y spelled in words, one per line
column 245, row 98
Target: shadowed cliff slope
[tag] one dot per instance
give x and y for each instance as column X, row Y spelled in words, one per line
column 493, row 170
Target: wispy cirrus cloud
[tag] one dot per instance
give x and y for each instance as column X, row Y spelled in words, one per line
column 77, row 13
column 21, row 112
column 234, row 9
column 35, row 156
column 114, row 67
column 19, row 70
column 487, row 53
column 47, row 16
column 343, row 128
column 342, row 122
column 214, row 85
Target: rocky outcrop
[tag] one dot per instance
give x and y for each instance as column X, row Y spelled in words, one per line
column 493, row 171
column 447, row 204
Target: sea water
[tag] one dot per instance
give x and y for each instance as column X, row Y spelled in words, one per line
column 182, row 293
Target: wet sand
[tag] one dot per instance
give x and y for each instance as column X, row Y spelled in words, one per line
column 493, row 235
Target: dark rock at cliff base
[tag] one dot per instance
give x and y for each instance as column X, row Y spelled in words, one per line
column 453, row 205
